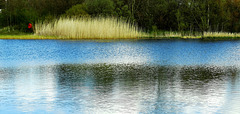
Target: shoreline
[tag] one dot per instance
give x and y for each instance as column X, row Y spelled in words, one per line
column 37, row 37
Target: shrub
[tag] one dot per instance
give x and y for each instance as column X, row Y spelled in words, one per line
column 78, row 10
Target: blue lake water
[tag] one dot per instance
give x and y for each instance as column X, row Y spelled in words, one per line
column 124, row 76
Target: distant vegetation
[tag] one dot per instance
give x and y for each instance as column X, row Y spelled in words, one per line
column 81, row 28
column 194, row 35
column 184, row 16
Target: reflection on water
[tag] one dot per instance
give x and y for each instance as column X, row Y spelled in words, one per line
column 144, row 76
column 120, row 88
column 24, row 89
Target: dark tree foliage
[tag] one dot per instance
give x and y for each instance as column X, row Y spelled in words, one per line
column 100, row 7
column 167, row 15
column 2, row 4
column 79, row 10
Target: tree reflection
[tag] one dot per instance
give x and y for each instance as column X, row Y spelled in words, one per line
column 148, row 88
column 205, row 76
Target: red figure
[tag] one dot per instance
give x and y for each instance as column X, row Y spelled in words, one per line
column 29, row 25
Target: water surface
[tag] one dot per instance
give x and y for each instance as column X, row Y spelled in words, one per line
column 126, row 76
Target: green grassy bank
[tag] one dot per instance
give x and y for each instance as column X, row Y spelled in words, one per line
column 26, row 37
column 38, row 37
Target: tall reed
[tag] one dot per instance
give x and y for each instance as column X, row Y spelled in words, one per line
column 81, row 28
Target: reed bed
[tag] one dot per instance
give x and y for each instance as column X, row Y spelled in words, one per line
column 221, row 34
column 88, row 28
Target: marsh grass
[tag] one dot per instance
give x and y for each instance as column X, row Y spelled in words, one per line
column 221, row 34
column 88, row 28
column 195, row 35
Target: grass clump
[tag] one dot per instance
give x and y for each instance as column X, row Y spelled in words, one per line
column 88, row 28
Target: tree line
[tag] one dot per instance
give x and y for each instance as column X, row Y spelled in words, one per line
column 166, row 15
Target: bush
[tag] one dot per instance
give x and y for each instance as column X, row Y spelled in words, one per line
column 78, row 10
column 18, row 19
column 23, row 18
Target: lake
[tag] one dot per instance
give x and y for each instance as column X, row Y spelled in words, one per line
column 120, row 76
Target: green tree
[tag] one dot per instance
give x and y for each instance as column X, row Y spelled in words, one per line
column 234, row 8
column 199, row 12
column 184, row 16
column 180, row 20
column 100, row 7
column 160, row 13
column 2, row 4
column 52, row 7
column 122, row 10
column 78, row 10
column 18, row 14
